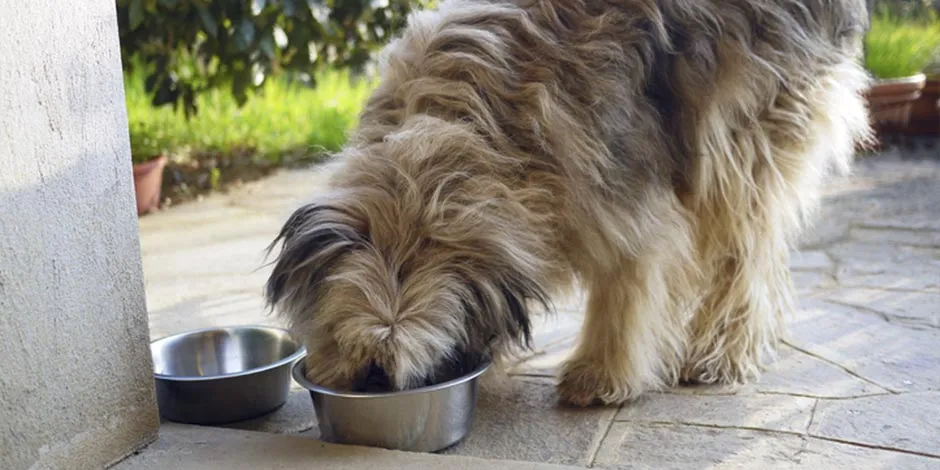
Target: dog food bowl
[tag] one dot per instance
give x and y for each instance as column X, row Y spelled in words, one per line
column 223, row 375
column 426, row 419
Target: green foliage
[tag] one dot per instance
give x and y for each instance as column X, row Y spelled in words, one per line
column 897, row 47
column 284, row 121
column 907, row 9
column 193, row 46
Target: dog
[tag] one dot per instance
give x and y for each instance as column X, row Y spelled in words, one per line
column 663, row 155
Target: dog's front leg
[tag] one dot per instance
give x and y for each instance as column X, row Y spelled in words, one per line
column 632, row 337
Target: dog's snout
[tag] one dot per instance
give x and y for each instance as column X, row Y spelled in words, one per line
column 372, row 379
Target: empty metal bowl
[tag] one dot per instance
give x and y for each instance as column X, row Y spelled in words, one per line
column 425, row 419
column 223, row 375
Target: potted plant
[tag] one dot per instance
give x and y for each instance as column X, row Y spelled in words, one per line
column 896, row 53
column 925, row 112
column 148, row 179
column 149, row 158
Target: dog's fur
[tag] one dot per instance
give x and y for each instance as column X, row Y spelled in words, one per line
column 662, row 154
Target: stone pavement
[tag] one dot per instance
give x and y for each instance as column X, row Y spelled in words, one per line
column 857, row 384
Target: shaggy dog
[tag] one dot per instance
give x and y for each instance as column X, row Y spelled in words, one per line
column 663, row 155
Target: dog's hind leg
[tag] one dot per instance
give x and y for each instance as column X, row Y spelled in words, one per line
column 747, row 293
column 741, row 318
column 633, row 335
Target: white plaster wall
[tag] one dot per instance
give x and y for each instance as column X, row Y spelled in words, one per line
column 75, row 371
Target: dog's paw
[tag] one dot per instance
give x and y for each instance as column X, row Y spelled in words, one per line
column 584, row 383
column 720, row 371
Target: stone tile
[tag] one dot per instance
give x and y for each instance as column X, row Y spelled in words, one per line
column 810, row 260
column 637, row 446
column 295, row 416
column 169, row 231
column 905, row 422
column 902, row 237
column 797, row 373
column 744, row 410
column 897, row 277
column 821, row 454
column 548, row 362
column 894, row 357
column 918, row 309
column 181, row 447
column 551, row 328
column 808, row 282
column 660, row 446
column 575, row 302
column 207, row 310
column 887, row 266
column 524, row 421
column 907, row 223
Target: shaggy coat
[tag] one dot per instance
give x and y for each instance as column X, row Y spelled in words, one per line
column 663, row 155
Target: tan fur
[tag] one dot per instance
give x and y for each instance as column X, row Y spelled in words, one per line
column 514, row 148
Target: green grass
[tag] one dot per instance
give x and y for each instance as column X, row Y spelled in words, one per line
column 897, row 48
column 282, row 123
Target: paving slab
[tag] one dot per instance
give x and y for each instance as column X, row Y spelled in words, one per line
column 887, row 266
column 548, row 362
column 523, row 420
column 181, row 447
column 907, row 308
column 800, row 374
column 811, row 260
column 864, row 344
column 548, row 330
column 296, row 416
column 821, row 454
column 677, row 446
column 905, row 422
column 772, row 412
column 807, row 283
column 922, row 239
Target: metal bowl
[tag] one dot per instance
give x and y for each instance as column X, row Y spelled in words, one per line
column 426, row 419
column 223, row 375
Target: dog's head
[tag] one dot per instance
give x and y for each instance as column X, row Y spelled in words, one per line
column 843, row 23
column 389, row 292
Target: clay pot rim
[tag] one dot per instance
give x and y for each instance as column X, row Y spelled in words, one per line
column 149, row 165
column 912, row 79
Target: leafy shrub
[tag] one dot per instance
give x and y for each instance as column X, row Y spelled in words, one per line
column 192, row 46
column 896, row 47
column 285, row 122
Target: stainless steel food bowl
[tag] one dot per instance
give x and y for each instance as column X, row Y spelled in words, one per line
column 223, row 375
column 425, row 419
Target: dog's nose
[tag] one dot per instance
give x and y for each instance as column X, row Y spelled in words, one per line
column 372, row 379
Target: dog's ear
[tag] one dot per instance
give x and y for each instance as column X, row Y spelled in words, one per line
column 311, row 239
column 499, row 309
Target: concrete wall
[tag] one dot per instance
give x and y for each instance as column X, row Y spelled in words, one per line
column 75, row 371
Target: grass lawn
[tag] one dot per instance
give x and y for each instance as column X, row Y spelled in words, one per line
column 897, row 47
column 223, row 144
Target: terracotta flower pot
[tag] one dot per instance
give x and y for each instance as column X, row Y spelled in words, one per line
column 891, row 101
column 148, row 178
column 925, row 116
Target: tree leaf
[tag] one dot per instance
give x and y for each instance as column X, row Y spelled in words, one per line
column 208, row 22
column 290, row 8
column 257, row 6
column 240, row 83
column 244, row 35
column 168, row 3
column 135, row 13
column 267, row 46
